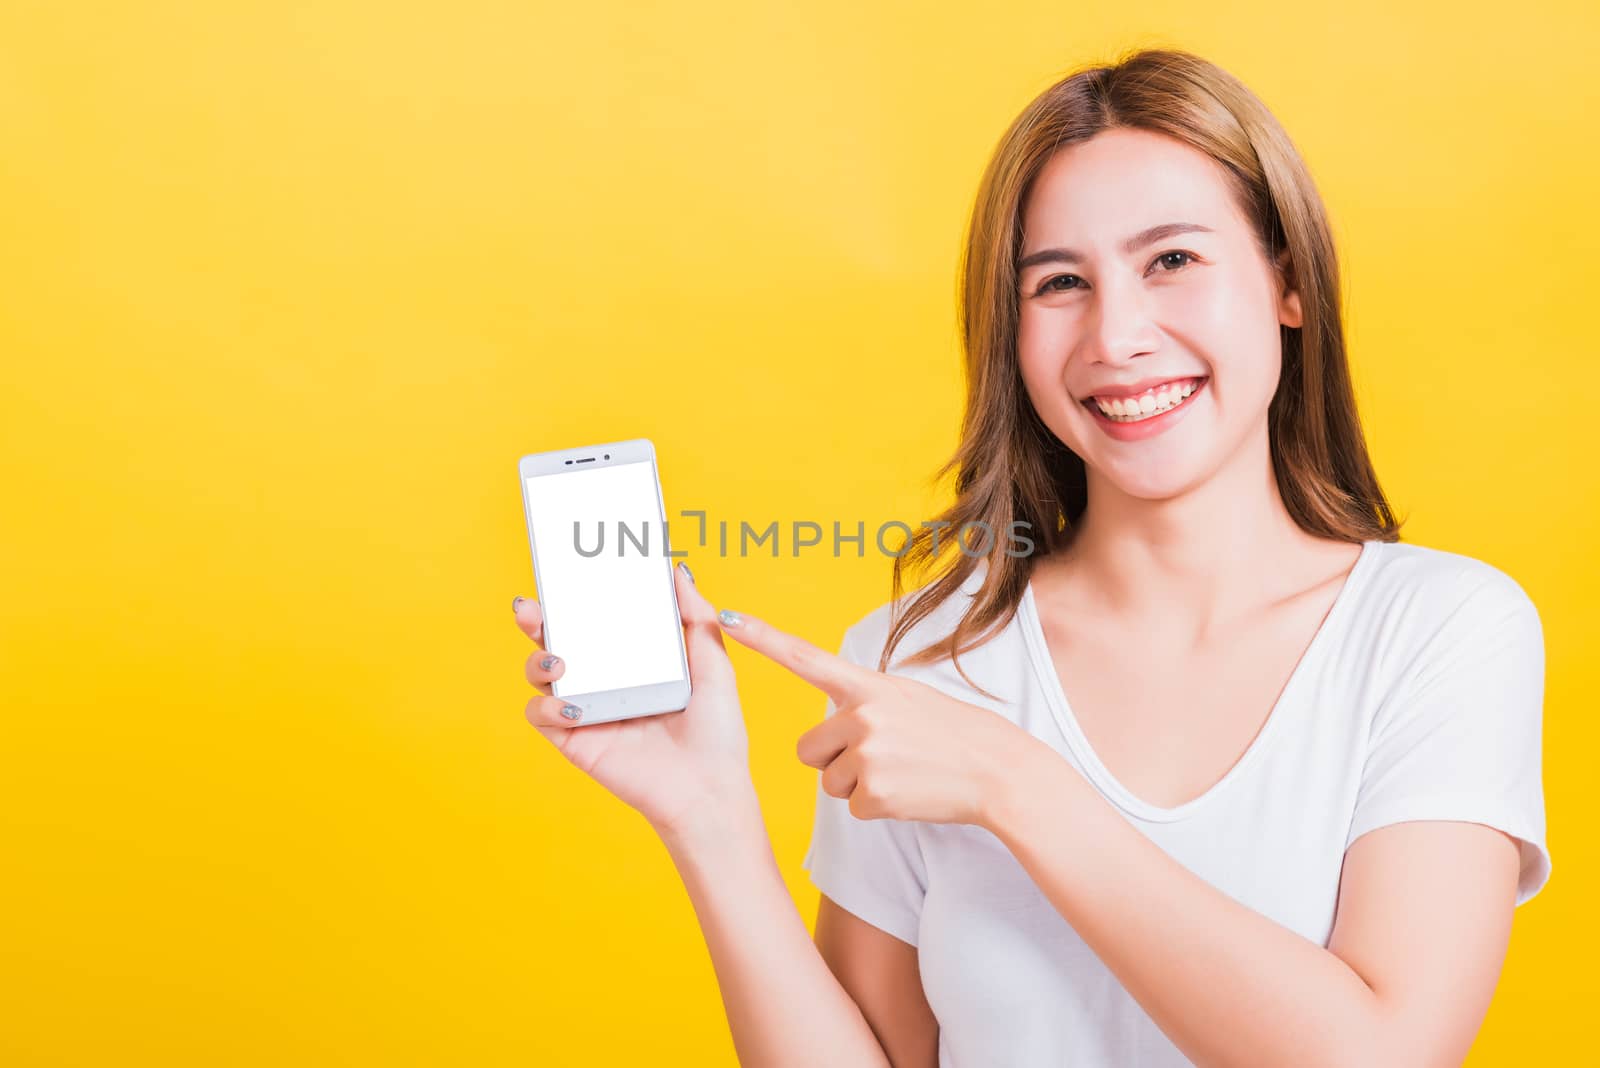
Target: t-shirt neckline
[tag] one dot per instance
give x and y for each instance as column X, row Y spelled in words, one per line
column 1056, row 700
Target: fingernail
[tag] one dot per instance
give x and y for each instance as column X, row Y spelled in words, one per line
column 729, row 618
column 686, row 570
column 549, row 662
column 571, row 711
column 516, row 601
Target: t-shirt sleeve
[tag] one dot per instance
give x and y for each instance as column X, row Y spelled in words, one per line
column 871, row 868
column 1460, row 738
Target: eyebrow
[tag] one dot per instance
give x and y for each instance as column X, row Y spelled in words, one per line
column 1131, row 245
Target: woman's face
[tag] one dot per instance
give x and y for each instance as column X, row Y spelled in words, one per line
column 1102, row 317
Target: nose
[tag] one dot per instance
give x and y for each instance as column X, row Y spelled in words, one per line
column 1120, row 327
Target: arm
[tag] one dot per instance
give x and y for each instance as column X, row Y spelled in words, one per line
column 882, row 975
column 1423, row 920
column 688, row 775
column 784, row 1005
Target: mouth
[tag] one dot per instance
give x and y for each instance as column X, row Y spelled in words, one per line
column 1150, row 404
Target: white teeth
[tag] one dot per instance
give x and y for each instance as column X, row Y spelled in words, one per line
column 1153, row 402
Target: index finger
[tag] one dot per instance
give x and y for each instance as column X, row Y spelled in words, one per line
column 839, row 678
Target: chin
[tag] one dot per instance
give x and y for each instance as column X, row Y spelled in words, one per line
column 1155, row 490
column 1148, row 481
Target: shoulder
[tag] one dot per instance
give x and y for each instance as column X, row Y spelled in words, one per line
column 1428, row 606
column 1435, row 585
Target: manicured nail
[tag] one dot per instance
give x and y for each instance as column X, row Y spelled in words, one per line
column 686, row 570
column 571, row 711
column 549, row 662
column 729, row 618
column 516, row 601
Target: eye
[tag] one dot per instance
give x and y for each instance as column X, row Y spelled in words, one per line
column 1049, row 284
column 1189, row 257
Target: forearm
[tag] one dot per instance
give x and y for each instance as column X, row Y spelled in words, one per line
column 1228, row 985
column 784, row 1005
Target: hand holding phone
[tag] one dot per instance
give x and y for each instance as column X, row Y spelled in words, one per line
column 671, row 768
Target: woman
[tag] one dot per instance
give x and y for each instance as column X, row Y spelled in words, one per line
column 1221, row 772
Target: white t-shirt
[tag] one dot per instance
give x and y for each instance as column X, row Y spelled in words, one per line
column 1419, row 698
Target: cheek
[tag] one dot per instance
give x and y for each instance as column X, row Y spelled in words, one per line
column 1208, row 311
column 1233, row 325
column 1043, row 342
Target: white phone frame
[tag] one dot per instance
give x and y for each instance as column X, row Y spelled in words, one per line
column 604, row 706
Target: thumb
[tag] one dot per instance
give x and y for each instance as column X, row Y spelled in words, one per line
column 702, row 634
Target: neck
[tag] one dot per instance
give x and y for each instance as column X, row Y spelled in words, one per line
column 1198, row 558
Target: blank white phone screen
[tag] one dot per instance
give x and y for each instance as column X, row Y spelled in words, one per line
column 605, row 580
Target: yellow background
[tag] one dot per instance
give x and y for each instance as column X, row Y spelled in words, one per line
column 287, row 289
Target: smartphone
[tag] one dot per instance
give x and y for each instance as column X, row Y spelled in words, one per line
column 603, row 575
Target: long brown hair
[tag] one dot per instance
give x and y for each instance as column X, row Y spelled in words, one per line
column 1010, row 467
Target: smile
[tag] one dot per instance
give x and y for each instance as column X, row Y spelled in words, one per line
column 1147, row 405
